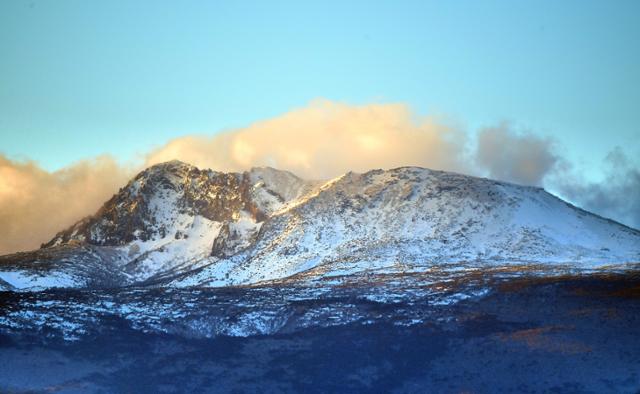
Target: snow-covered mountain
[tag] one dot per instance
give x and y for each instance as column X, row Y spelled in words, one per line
column 176, row 225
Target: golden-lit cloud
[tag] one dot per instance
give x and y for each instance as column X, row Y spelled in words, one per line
column 324, row 140
column 35, row 204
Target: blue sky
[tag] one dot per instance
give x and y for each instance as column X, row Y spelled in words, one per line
column 81, row 78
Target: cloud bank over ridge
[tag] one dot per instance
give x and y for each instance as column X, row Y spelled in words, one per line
column 515, row 157
column 319, row 141
column 327, row 139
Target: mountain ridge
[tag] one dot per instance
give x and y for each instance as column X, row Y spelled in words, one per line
column 178, row 225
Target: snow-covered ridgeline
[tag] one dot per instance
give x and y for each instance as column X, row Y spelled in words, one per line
column 180, row 226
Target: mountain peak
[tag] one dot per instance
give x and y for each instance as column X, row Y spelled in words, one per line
column 175, row 163
column 174, row 167
column 164, row 198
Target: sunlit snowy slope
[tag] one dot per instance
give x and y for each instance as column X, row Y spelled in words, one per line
column 176, row 225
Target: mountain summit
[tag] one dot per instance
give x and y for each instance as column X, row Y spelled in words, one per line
column 177, row 225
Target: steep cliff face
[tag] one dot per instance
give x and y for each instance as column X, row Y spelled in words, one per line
column 177, row 225
column 152, row 205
